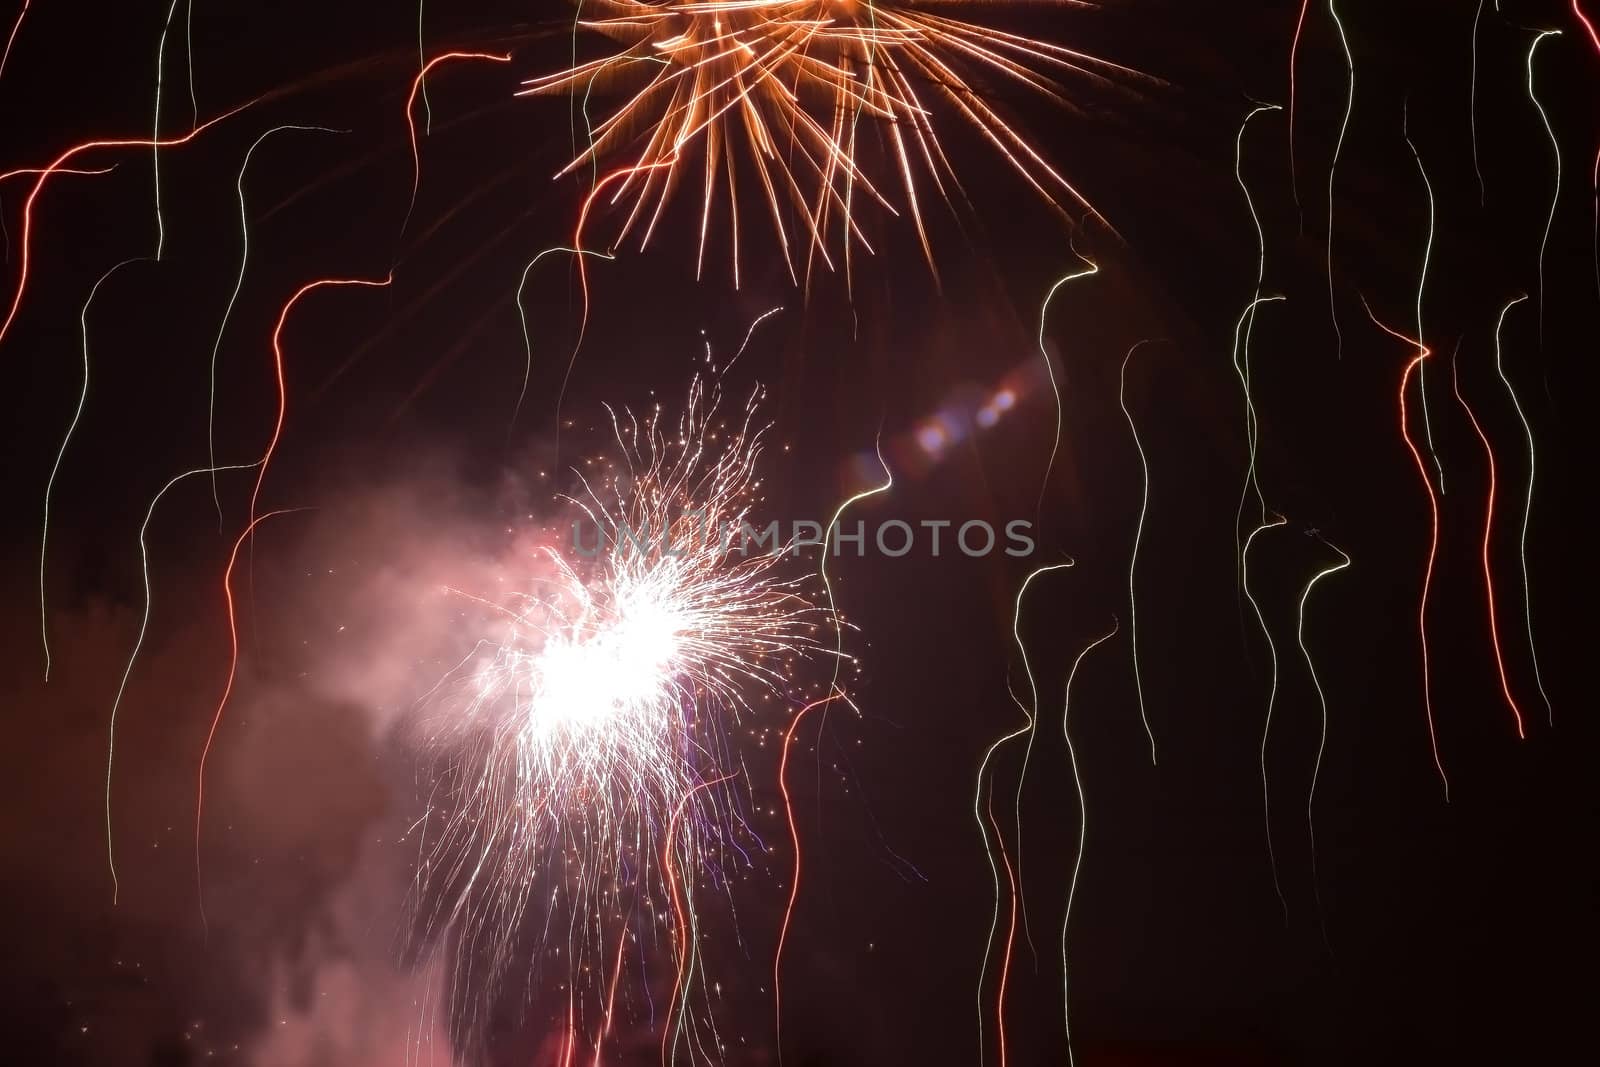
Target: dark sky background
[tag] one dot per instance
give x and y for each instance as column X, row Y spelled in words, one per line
column 1446, row 932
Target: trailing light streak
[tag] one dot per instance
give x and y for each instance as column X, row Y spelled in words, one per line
column 983, row 830
column 11, row 39
column 61, row 454
column 1138, row 536
column 138, row 644
column 794, row 882
column 1594, row 39
column 411, row 120
column 1472, row 113
column 1527, row 507
column 684, row 932
column 1241, row 367
column 59, row 167
column 1423, row 353
column 155, row 129
column 222, row 702
column 1055, row 387
column 1555, row 147
column 1294, row 52
column 784, row 83
column 527, row 336
column 1422, row 282
column 1338, row 147
column 1272, row 700
column 238, row 286
column 1488, row 542
column 1322, row 704
column 1083, row 831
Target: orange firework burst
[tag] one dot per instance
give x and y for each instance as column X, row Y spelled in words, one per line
column 791, row 81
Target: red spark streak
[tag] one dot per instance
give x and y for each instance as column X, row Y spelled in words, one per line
column 16, row 27
column 677, row 906
column 794, row 839
column 1488, row 536
column 1594, row 35
column 411, row 103
column 58, row 168
column 1594, row 39
column 1423, row 352
column 611, row 996
column 227, row 691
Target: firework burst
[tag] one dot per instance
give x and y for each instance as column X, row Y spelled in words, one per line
column 591, row 778
column 776, row 91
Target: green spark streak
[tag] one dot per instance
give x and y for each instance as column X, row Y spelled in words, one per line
column 1138, row 536
column 1272, row 699
column 238, row 285
column 1083, row 832
column 138, row 644
column 1055, row 387
column 1344, row 126
column 55, row 469
column 1555, row 146
column 1527, row 508
column 1322, row 741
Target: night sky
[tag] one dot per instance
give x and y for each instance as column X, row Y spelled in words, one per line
column 1428, row 932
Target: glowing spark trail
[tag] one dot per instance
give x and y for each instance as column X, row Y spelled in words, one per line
column 1338, row 147
column 1488, row 541
column 1294, row 54
column 1472, row 98
column 1138, row 536
column 1422, row 284
column 1055, row 387
column 11, row 39
column 783, row 84
column 1423, row 353
column 1594, row 39
column 133, row 656
column 155, row 129
column 1083, row 832
column 1322, row 704
column 1555, row 147
column 985, row 824
column 1527, row 505
column 233, row 298
column 1272, row 700
column 61, row 454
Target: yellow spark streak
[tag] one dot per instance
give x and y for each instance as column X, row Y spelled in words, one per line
column 1322, row 702
column 1272, row 699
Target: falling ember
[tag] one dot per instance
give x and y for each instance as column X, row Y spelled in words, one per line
column 590, row 775
column 785, row 84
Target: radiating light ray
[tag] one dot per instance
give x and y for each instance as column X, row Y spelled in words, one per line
column 1138, row 537
column 785, row 85
column 61, row 454
column 1527, row 506
column 978, row 814
column 133, row 655
column 11, row 38
column 1083, row 832
column 1422, row 284
column 1322, row 735
column 1333, row 167
column 1423, row 353
column 1488, row 542
column 1555, row 148
column 59, row 166
column 1272, row 701
column 1092, row 268
column 238, row 286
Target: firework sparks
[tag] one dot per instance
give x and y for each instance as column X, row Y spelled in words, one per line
column 785, row 84
column 586, row 735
